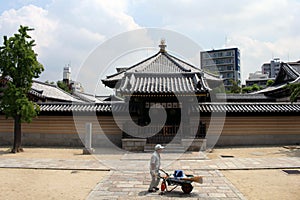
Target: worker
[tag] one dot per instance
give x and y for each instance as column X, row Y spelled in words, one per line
column 154, row 168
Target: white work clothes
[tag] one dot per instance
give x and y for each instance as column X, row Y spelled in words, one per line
column 155, row 162
column 154, row 170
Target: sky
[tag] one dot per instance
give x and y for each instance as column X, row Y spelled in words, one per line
column 66, row 32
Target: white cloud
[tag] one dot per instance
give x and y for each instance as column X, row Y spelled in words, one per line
column 262, row 29
column 104, row 17
column 31, row 16
column 256, row 52
column 67, row 31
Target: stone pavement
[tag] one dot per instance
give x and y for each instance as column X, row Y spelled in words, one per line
column 134, row 185
column 129, row 175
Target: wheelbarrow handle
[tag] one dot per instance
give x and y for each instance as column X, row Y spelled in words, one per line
column 197, row 179
column 164, row 172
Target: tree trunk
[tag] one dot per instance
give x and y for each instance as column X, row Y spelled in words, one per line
column 17, row 135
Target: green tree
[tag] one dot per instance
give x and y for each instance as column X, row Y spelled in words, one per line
column 256, row 87
column 235, row 88
column 269, row 83
column 252, row 88
column 294, row 91
column 247, row 89
column 52, row 82
column 63, row 86
column 19, row 65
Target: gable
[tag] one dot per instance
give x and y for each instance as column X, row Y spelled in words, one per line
column 286, row 74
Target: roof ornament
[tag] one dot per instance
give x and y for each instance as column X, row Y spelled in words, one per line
column 162, row 45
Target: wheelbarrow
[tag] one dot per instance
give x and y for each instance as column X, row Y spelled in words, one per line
column 178, row 179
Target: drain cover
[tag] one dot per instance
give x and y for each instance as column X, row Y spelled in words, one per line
column 227, row 156
column 291, row 171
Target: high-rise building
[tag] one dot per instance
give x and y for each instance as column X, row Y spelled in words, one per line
column 271, row 68
column 67, row 75
column 73, row 85
column 225, row 63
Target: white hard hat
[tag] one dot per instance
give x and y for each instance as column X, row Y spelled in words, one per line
column 158, row 146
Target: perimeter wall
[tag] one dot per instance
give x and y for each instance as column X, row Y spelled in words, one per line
column 51, row 130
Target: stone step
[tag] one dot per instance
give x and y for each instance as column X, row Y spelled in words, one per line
column 170, row 148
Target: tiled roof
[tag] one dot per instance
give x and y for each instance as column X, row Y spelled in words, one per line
column 87, row 97
column 44, row 90
column 203, row 107
column 250, row 107
column 295, row 65
column 74, row 107
column 247, row 97
column 149, row 83
column 287, row 74
column 291, row 71
column 162, row 62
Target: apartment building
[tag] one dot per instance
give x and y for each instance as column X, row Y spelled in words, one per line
column 224, row 62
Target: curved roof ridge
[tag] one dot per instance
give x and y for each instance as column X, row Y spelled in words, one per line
column 291, row 69
column 189, row 64
column 159, row 63
column 174, row 62
column 133, row 66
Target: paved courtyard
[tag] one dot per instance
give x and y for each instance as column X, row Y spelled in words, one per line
column 128, row 176
column 134, row 185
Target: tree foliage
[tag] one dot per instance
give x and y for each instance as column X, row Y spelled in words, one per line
column 48, row 82
column 19, row 65
column 269, row 83
column 252, row 88
column 235, row 88
column 294, row 91
column 63, row 86
column 247, row 89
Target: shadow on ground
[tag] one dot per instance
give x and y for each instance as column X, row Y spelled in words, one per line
column 291, row 151
column 2, row 152
column 178, row 194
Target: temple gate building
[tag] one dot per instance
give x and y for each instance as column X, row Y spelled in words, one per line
column 166, row 81
column 161, row 86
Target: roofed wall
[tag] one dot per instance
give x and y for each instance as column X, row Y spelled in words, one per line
column 253, row 129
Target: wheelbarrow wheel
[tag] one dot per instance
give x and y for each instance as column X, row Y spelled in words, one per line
column 187, row 188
